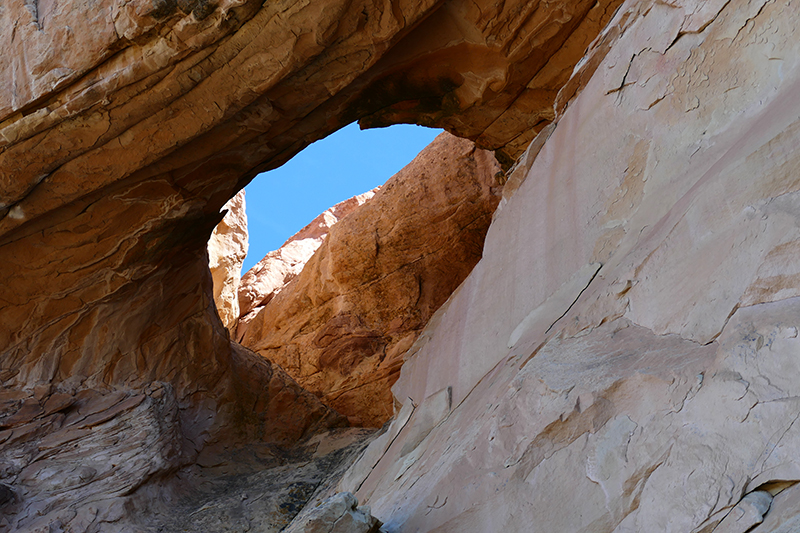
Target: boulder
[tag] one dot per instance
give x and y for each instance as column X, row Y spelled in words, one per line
column 338, row 514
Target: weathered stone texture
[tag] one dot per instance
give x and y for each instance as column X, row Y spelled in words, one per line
column 227, row 249
column 124, row 128
column 339, row 513
column 343, row 326
column 270, row 275
column 624, row 356
column 124, row 131
column 622, row 359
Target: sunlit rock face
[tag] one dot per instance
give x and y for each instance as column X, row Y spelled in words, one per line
column 227, row 249
column 123, row 134
column 271, row 274
column 624, row 357
column 342, row 327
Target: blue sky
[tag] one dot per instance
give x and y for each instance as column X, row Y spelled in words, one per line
column 349, row 162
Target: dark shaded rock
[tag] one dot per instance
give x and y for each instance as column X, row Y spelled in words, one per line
column 7, row 495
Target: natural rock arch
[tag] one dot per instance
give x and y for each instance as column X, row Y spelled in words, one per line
column 623, row 357
column 125, row 132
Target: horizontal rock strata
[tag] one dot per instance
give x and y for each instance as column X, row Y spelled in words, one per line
column 126, row 127
column 622, row 359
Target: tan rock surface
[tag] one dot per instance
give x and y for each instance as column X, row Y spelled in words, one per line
column 268, row 277
column 227, row 249
column 126, row 125
column 124, row 132
column 624, row 356
column 339, row 513
column 342, row 327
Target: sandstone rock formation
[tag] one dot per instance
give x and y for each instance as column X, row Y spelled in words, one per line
column 270, row 275
column 343, row 326
column 339, row 513
column 227, row 249
column 624, row 356
column 124, row 132
column 84, row 459
column 125, row 128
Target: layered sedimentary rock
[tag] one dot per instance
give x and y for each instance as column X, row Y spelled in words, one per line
column 124, row 129
column 270, row 275
column 75, row 458
column 624, row 357
column 343, row 326
column 227, row 249
column 123, row 133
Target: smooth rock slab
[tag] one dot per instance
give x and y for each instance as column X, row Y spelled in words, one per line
column 227, row 249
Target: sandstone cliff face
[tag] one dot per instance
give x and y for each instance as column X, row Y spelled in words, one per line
column 123, row 133
column 342, row 327
column 124, row 129
column 270, row 275
column 227, row 249
column 624, row 356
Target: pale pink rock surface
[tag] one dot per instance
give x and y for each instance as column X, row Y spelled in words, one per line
column 624, row 357
column 227, row 249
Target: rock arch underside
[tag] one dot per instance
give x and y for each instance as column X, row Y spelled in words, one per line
column 623, row 358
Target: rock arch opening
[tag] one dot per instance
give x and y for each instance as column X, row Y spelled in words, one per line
column 340, row 303
column 121, row 138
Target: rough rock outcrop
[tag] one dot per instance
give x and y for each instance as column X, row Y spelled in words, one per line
column 342, row 327
column 624, row 357
column 257, row 488
column 227, row 249
column 83, row 459
column 339, row 513
column 124, row 131
column 270, row 275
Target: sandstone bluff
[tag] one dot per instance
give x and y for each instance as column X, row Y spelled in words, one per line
column 622, row 358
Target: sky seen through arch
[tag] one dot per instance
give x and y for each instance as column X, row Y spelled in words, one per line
column 346, row 163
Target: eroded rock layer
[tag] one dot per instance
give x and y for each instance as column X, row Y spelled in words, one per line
column 343, row 326
column 270, row 275
column 624, row 357
column 124, row 132
column 126, row 126
column 227, row 249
